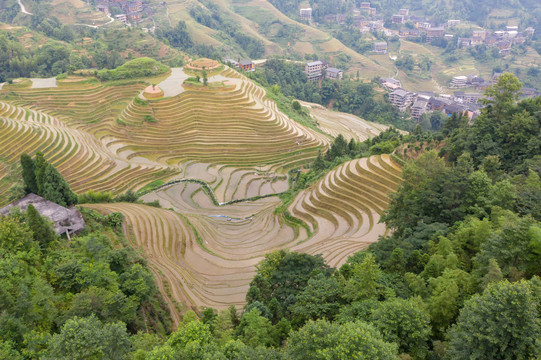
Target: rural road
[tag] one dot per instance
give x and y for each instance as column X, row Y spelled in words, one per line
column 23, row 9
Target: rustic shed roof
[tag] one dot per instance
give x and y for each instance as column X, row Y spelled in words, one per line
column 64, row 219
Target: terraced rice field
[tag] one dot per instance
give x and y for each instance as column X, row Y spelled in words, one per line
column 206, row 254
column 97, row 136
column 236, row 125
column 231, row 142
column 350, row 126
column 84, row 162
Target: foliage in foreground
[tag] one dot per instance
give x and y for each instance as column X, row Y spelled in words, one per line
column 91, row 298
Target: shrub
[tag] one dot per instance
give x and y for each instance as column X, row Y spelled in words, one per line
column 138, row 101
column 94, row 197
column 115, row 219
column 141, row 67
column 150, row 119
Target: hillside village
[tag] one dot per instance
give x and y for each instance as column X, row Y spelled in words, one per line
column 407, row 26
column 404, row 25
column 466, row 103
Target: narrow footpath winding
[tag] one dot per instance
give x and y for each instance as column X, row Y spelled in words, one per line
column 23, row 9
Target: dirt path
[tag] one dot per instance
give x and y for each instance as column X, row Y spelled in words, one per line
column 23, row 9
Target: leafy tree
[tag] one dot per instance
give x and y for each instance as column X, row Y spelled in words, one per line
column 137, row 281
column 56, row 189
column 255, row 329
column 28, row 173
column 16, row 239
column 494, row 273
column 42, row 231
column 406, row 323
column 192, row 332
column 529, row 195
column 8, row 352
column 365, row 281
column 223, row 328
column 448, row 293
column 179, row 36
column 321, row 340
column 88, row 338
column 510, row 246
column 502, row 95
column 282, row 275
column 40, row 164
column 502, row 323
column 320, row 299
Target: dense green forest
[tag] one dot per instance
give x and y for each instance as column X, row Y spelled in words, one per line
column 89, row 298
column 355, row 97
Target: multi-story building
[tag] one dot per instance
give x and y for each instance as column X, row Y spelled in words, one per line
column 481, row 34
column 247, row 65
column 434, row 33
column 459, row 81
column 401, row 99
column 122, row 18
column 232, row 62
column 313, row 69
column 529, row 31
column 306, row 14
column 390, row 83
column 419, row 108
column 380, row 47
column 404, row 12
column 397, row 19
column 133, row 6
column 333, row 74
column 468, row 98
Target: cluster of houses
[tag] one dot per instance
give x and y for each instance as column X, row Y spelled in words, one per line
column 460, row 102
column 502, row 39
column 133, row 10
column 364, row 17
column 424, row 101
column 316, row 70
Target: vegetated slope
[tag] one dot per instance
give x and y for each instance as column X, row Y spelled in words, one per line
column 261, row 20
column 206, row 256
